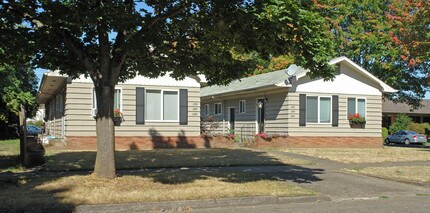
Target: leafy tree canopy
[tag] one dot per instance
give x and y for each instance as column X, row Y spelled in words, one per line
column 390, row 39
column 18, row 87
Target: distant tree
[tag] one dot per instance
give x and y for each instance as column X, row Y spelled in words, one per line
column 390, row 39
column 17, row 87
column 111, row 41
column 401, row 122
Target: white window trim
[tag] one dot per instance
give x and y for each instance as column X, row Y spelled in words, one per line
column 356, row 105
column 94, row 100
column 206, row 109
column 215, row 111
column 244, row 107
column 162, row 105
column 319, row 109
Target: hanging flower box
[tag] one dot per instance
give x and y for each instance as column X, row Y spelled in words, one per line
column 357, row 124
column 118, row 118
column 356, row 121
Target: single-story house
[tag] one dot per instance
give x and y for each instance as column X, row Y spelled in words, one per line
column 390, row 110
column 158, row 113
column 312, row 112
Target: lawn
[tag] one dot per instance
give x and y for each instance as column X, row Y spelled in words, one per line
column 370, row 155
column 62, row 193
column 142, row 159
column 69, row 182
column 9, row 147
column 9, row 155
column 169, row 158
column 418, row 174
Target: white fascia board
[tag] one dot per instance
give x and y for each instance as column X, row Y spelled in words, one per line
column 165, row 80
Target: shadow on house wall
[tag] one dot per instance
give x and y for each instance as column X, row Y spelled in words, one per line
column 159, row 141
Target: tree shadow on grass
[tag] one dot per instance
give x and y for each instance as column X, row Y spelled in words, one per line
column 296, row 174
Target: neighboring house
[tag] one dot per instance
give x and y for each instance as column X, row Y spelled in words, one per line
column 391, row 109
column 312, row 112
column 159, row 112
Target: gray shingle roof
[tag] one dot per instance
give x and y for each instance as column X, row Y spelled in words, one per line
column 249, row 83
column 391, row 107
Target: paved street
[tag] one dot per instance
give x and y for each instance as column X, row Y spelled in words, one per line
column 398, row 204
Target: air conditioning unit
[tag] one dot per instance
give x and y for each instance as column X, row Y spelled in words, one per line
column 94, row 112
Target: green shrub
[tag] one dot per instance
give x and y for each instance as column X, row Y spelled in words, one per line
column 384, row 133
column 401, row 122
column 420, row 128
column 36, row 123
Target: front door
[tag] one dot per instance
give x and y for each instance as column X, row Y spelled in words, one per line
column 231, row 119
column 260, row 115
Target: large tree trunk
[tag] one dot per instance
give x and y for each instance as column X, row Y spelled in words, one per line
column 105, row 160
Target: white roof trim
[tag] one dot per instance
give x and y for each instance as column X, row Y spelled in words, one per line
column 165, row 80
column 385, row 87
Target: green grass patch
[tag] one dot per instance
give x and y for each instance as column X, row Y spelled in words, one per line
column 9, row 147
column 9, row 156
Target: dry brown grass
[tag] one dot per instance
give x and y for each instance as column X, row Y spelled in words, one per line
column 63, row 193
column 370, row 155
column 406, row 173
column 169, row 158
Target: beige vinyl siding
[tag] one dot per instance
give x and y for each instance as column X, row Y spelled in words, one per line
column 55, row 116
column 276, row 119
column 79, row 121
column 373, row 118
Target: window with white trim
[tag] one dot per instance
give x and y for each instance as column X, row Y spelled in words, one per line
column 161, row 105
column 318, row 109
column 242, row 106
column 117, row 99
column 206, row 109
column 356, row 105
column 218, row 108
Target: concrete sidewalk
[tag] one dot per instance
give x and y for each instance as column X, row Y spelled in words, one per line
column 338, row 191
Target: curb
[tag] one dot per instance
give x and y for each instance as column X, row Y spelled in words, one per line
column 197, row 204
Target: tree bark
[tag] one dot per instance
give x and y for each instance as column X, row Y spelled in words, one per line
column 105, row 159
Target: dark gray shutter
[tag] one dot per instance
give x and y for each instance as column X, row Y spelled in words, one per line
column 183, row 107
column 335, row 110
column 140, row 105
column 302, row 110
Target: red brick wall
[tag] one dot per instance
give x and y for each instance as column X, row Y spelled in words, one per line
column 326, row 142
column 137, row 143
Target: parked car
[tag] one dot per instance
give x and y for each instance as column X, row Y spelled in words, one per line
column 406, row 137
column 33, row 130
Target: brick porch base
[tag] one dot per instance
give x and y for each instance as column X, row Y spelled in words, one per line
column 138, row 143
column 320, row 142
